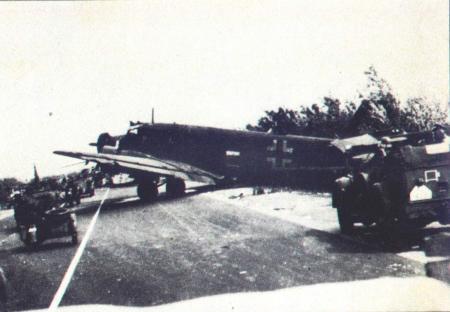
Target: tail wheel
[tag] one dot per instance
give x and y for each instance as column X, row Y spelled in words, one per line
column 147, row 191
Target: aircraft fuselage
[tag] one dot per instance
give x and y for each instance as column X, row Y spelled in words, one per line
column 244, row 156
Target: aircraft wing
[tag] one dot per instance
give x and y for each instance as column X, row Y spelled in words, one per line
column 132, row 162
column 362, row 140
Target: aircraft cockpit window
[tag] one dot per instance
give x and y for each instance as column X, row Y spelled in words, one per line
column 133, row 131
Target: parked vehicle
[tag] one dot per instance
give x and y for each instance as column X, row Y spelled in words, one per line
column 53, row 223
column 401, row 181
column 40, row 217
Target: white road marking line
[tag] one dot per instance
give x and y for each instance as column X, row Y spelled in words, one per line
column 76, row 259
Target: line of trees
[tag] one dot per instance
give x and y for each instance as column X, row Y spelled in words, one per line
column 379, row 109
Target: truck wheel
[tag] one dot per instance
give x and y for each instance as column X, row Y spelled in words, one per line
column 345, row 219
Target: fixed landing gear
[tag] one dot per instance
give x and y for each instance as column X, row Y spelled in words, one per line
column 147, row 190
column 175, row 187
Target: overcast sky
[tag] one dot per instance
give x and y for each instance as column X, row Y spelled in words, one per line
column 71, row 70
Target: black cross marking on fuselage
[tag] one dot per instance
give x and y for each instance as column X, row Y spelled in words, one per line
column 279, row 154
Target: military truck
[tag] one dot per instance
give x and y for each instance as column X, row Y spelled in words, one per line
column 396, row 181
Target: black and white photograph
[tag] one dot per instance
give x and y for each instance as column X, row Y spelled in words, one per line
column 229, row 156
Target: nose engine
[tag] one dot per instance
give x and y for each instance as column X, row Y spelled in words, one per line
column 105, row 139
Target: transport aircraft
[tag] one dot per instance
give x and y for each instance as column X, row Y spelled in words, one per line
column 158, row 153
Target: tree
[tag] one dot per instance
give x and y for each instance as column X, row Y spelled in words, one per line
column 378, row 110
column 418, row 115
column 283, row 121
column 326, row 120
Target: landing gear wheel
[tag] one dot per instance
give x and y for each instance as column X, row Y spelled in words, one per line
column 175, row 187
column 147, row 191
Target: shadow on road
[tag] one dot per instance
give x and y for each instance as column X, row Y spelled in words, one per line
column 412, row 240
column 44, row 247
column 434, row 242
column 133, row 202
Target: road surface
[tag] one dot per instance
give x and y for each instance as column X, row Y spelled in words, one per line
column 202, row 244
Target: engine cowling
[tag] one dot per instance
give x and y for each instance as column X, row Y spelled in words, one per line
column 105, row 139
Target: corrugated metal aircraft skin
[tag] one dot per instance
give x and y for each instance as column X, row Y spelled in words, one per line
column 251, row 157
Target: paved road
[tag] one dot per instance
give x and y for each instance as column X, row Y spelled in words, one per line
column 149, row 254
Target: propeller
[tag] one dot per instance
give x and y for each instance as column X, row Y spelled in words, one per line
column 104, row 139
